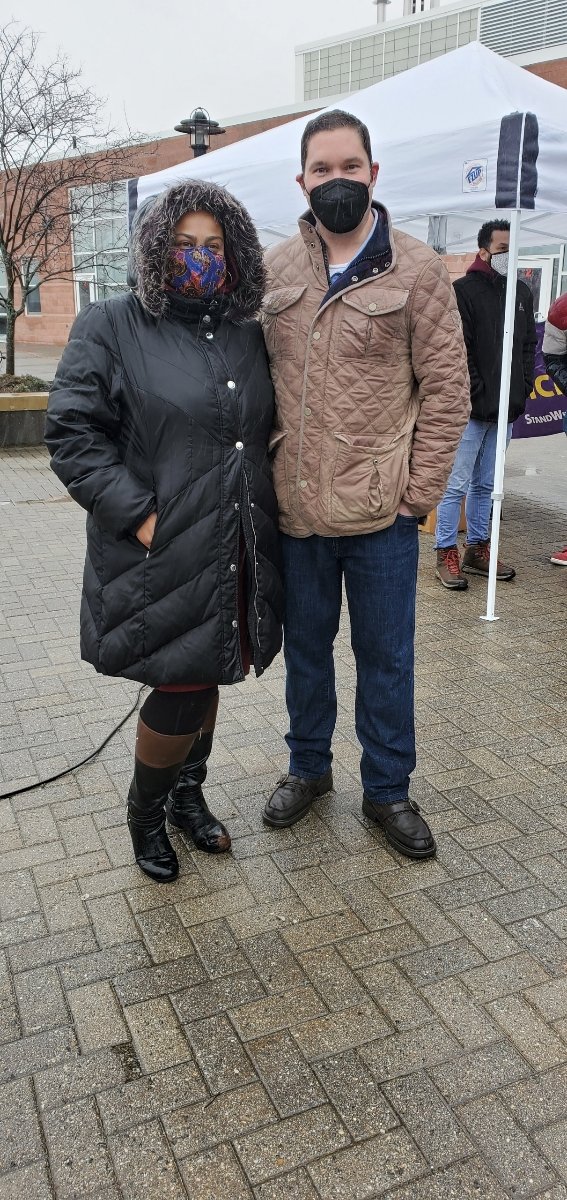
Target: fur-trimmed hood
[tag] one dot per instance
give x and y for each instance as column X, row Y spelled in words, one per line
column 151, row 240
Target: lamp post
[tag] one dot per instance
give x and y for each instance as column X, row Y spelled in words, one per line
column 199, row 129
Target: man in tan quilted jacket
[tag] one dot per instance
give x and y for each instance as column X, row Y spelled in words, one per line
column 372, row 394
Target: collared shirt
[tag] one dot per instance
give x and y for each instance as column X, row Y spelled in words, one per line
column 338, row 269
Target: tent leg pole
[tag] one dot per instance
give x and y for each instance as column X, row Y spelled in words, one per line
column 503, row 405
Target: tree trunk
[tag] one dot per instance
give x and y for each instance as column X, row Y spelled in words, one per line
column 10, row 343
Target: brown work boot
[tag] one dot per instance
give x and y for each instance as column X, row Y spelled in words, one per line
column 449, row 569
column 476, row 561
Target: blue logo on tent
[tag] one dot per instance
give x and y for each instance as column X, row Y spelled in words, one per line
column 475, row 171
column 474, row 174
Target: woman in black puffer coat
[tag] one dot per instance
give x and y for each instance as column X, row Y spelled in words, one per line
column 158, row 424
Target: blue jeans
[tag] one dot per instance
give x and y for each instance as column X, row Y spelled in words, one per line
column 380, row 572
column 472, row 476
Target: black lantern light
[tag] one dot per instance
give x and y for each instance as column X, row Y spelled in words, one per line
column 199, row 129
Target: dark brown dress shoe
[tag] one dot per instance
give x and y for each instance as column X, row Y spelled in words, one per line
column 403, row 827
column 293, row 798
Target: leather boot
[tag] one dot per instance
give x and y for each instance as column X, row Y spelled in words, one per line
column 146, row 821
column 448, row 569
column 186, row 806
column 476, row 561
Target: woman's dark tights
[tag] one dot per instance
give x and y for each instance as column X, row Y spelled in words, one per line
column 169, row 723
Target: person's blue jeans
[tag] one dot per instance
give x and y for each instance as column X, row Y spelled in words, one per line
column 380, row 572
column 472, row 476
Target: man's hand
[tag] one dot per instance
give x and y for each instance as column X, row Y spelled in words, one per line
column 146, row 531
column 404, row 511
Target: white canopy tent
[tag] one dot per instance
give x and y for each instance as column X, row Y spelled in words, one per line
column 425, row 125
column 457, row 138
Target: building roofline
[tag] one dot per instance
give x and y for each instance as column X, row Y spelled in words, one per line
column 400, row 23
column 266, row 114
column 530, row 58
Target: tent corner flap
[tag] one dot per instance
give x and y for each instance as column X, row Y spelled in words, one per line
column 516, row 171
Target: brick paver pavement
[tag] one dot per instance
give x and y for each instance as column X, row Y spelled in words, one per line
column 311, row 1016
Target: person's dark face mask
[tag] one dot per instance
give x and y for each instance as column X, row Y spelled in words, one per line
column 340, row 204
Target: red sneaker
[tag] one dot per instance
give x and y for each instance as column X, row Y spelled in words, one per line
column 560, row 559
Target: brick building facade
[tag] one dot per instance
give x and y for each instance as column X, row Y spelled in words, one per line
column 554, row 71
column 60, row 299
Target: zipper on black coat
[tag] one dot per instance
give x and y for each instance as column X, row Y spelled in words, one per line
column 246, row 523
column 210, row 366
column 250, row 541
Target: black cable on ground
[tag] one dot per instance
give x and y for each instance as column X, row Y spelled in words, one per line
column 30, row 787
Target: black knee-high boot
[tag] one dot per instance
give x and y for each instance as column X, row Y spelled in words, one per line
column 146, row 821
column 156, row 767
column 186, row 806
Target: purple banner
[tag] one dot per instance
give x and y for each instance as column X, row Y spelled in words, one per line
column 546, row 405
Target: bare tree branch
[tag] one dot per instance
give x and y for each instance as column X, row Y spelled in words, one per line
column 57, row 153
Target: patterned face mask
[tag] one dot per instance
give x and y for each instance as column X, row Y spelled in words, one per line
column 196, row 271
column 499, row 263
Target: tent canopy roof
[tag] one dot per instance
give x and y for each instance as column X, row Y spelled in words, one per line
column 429, row 126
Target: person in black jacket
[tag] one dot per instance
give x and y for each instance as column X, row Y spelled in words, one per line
column 555, row 358
column 158, row 424
column 481, row 297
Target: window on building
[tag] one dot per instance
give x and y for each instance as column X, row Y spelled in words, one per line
column 100, row 242
column 84, row 293
column 33, row 301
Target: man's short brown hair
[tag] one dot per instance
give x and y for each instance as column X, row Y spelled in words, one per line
column 335, row 119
